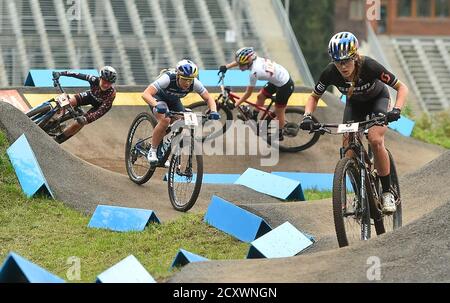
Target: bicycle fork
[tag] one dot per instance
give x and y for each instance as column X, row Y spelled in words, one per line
column 365, row 210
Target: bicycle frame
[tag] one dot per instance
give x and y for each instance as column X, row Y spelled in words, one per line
column 227, row 94
column 368, row 195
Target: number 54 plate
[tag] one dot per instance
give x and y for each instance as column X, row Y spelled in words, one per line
column 190, row 119
column 348, row 128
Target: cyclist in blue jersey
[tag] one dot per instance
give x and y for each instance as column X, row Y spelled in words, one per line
column 165, row 94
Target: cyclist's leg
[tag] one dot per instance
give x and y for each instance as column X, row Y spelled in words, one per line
column 376, row 140
column 80, row 99
column 160, row 128
column 282, row 97
column 266, row 92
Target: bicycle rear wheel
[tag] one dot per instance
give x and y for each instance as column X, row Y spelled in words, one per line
column 185, row 177
column 212, row 129
column 351, row 223
column 137, row 146
column 295, row 139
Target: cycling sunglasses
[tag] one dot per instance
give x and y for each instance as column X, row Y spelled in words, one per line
column 342, row 62
column 186, row 78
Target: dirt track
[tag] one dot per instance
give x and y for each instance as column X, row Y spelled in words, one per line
column 103, row 143
column 418, row 252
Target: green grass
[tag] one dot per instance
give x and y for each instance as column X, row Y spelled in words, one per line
column 434, row 129
column 48, row 233
column 314, row 194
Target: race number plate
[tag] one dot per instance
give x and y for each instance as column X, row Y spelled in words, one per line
column 190, row 119
column 63, row 100
column 348, row 128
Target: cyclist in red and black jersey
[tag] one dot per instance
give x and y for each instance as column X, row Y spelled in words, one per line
column 363, row 80
column 100, row 96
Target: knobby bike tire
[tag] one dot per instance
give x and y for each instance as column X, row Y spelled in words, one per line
column 395, row 187
column 171, row 184
column 141, row 117
column 339, row 193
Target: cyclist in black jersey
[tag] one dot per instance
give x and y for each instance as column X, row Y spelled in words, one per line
column 165, row 94
column 100, row 96
column 363, row 80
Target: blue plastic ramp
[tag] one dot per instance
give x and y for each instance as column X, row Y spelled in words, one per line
column 210, row 178
column 272, row 185
column 234, row 220
column 43, row 78
column 404, row 126
column 317, row 181
column 129, row 270
column 122, row 218
column 234, row 77
column 184, row 257
column 17, row 269
column 26, row 166
column 283, row 241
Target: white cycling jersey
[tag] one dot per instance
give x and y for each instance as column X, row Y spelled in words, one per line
column 265, row 69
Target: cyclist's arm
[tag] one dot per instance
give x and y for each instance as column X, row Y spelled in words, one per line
column 200, row 89
column 231, row 64
column 80, row 76
column 391, row 80
column 247, row 94
column 209, row 99
column 95, row 114
column 148, row 94
column 402, row 93
column 319, row 90
column 311, row 103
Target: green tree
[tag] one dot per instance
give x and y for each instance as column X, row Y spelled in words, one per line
column 312, row 22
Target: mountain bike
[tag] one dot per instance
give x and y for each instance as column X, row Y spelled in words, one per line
column 185, row 171
column 53, row 115
column 294, row 139
column 357, row 202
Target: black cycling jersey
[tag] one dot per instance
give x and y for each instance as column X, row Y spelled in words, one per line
column 370, row 83
column 101, row 100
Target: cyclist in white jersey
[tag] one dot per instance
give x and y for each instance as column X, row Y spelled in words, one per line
column 279, row 81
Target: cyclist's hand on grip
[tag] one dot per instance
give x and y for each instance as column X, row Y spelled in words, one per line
column 82, row 120
column 214, row 116
column 222, row 69
column 56, row 75
column 161, row 109
column 394, row 114
column 307, row 123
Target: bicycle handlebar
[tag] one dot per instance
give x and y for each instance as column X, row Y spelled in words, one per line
column 58, row 85
column 364, row 125
column 173, row 113
column 71, row 110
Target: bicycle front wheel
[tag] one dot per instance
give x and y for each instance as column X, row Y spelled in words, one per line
column 137, row 146
column 351, row 219
column 185, row 178
column 295, row 139
column 212, row 129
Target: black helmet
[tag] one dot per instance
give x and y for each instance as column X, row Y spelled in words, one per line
column 108, row 73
